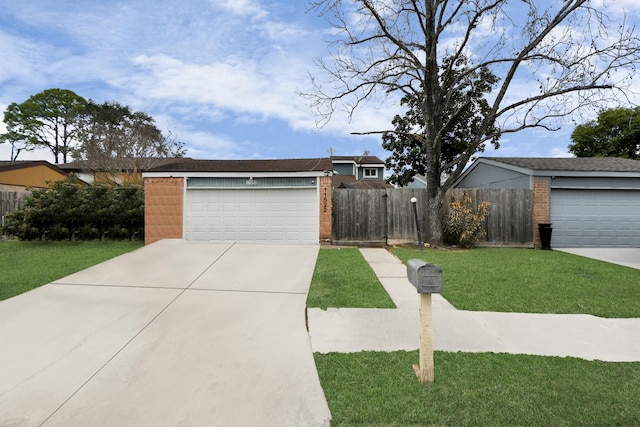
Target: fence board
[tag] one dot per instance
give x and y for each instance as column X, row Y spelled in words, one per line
column 401, row 219
column 358, row 215
column 11, row 201
column 510, row 218
column 362, row 216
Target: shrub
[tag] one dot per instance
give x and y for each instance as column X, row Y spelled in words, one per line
column 70, row 210
column 462, row 226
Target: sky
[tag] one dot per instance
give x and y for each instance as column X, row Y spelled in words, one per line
column 220, row 75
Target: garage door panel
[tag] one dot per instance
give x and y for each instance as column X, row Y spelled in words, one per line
column 255, row 215
column 595, row 218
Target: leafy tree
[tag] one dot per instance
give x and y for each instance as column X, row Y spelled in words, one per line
column 615, row 133
column 464, row 116
column 116, row 140
column 46, row 119
column 430, row 52
column 18, row 142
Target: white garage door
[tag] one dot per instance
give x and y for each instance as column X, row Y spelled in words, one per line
column 252, row 215
column 595, row 218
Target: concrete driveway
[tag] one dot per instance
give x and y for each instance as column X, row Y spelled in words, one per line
column 628, row 257
column 175, row 333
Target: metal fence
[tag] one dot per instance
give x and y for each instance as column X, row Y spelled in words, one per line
column 378, row 217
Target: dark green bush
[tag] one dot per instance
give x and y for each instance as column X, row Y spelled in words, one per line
column 71, row 210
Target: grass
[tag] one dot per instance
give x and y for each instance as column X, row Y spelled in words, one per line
column 488, row 389
column 479, row 389
column 27, row 265
column 533, row 281
column 343, row 278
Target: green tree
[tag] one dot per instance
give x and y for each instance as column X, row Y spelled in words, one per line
column 615, row 133
column 464, row 116
column 571, row 56
column 18, row 142
column 46, row 119
column 116, row 140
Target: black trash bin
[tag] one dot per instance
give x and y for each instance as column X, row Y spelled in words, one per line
column 545, row 235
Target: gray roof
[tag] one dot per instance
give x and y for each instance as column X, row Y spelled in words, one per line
column 361, row 160
column 574, row 164
column 284, row 165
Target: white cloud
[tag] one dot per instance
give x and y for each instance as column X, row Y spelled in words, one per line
column 618, row 7
column 235, row 85
column 242, row 7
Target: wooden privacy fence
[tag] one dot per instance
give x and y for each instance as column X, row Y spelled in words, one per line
column 378, row 217
column 510, row 218
column 10, row 201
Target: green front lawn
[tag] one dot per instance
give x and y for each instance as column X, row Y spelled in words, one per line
column 479, row 389
column 487, row 389
column 343, row 278
column 533, row 281
column 27, row 265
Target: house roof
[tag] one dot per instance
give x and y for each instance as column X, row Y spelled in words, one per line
column 572, row 166
column 341, row 180
column 118, row 163
column 283, row 165
column 575, row 164
column 6, row 165
column 361, row 160
column 373, row 184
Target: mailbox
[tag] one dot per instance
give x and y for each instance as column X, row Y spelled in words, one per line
column 427, row 278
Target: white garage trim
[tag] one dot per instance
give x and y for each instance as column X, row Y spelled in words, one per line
column 287, row 214
column 595, row 218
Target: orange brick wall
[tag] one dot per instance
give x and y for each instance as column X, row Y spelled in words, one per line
column 163, row 208
column 541, row 205
column 326, row 206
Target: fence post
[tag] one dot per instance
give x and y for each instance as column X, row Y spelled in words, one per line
column 414, row 202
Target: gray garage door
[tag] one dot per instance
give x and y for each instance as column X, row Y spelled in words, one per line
column 595, row 218
column 252, row 215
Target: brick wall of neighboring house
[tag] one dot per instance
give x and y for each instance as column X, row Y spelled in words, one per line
column 163, row 208
column 326, row 206
column 541, row 205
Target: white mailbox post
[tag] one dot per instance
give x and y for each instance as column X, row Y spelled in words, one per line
column 427, row 278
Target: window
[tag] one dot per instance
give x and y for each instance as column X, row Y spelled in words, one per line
column 370, row 173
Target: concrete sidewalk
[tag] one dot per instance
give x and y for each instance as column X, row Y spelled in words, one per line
column 175, row 333
column 353, row 330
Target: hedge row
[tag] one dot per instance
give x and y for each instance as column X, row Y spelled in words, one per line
column 71, row 210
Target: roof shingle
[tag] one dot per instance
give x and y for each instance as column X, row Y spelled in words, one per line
column 361, row 160
column 283, row 165
column 576, row 164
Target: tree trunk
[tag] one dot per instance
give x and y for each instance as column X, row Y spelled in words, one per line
column 434, row 218
column 434, row 202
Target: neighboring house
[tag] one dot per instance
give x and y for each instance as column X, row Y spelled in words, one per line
column 20, row 175
column 120, row 170
column 418, row 181
column 239, row 200
column 358, row 172
column 590, row 202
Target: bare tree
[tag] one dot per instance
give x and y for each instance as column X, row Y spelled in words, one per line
column 118, row 143
column 551, row 59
